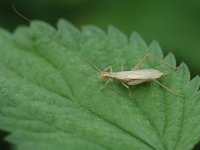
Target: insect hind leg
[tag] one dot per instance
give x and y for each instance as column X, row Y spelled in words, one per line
column 142, row 61
column 168, row 89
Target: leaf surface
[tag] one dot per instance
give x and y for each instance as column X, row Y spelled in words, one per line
column 50, row 94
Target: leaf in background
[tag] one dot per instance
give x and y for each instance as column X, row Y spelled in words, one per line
column 50, row 95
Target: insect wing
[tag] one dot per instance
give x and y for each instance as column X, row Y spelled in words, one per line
column 138, row 74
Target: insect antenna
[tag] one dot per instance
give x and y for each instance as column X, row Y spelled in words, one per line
column 59, row 40
column 88, row 61
column 18, row 13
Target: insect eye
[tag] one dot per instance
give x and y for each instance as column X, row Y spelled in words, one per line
column 102, row 75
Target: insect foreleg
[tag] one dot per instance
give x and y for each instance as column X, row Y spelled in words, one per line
column 107, row 82
column 108, row 68
column 170, row 90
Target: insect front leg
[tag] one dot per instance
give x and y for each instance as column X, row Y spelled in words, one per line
column 108, row 68
column 107, row 82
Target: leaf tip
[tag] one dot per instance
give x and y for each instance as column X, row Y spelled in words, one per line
column 155, row 48
column 183, row 70
column 137, row 40
column 170, row 58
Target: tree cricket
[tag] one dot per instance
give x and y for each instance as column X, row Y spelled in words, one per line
column 133, row 77
column 136, row 76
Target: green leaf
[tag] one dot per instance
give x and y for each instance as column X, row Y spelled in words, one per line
column 50, row 94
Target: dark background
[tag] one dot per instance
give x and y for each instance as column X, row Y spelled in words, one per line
column 175, row 24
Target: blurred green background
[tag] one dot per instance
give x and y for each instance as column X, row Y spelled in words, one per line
column 175, row 24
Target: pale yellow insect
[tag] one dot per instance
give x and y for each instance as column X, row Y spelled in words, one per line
column 127, row 78
column 136, row 76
